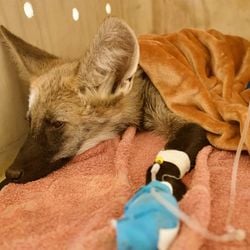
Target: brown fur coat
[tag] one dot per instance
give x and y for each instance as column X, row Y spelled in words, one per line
column 203, row 77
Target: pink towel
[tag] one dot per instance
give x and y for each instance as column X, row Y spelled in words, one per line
column 208, row 199
column 72, row 208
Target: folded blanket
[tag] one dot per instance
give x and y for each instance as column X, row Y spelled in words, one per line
column 72, row 208
column 203, row 77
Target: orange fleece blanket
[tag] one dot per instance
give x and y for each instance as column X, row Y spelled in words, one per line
column 203, row 77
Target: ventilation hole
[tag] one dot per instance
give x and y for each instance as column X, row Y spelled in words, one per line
column 28, row 9
column 108, row 8
column 75, row 14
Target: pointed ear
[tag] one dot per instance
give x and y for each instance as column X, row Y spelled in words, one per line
column 31, row 61
column 112, row 59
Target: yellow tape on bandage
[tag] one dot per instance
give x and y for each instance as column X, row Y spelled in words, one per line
column 159, row 159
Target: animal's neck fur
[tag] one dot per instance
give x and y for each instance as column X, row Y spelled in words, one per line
column 149, row 110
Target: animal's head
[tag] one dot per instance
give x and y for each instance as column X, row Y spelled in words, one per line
column 73, row 105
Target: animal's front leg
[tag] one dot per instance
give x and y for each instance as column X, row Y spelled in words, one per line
column 178, row 157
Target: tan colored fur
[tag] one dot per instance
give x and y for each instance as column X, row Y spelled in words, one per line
column 97, row 96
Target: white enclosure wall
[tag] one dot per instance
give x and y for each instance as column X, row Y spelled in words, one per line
column 52, row 28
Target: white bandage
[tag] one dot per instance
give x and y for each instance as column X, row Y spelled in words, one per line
column 179, row 158
column 168, row 185
column 154, row 170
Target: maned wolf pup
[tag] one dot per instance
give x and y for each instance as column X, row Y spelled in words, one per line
column 76, row 104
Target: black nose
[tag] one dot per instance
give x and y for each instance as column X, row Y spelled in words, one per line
column 13, row 174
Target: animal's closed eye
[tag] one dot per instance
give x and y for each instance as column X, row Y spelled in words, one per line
column 55, row 124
